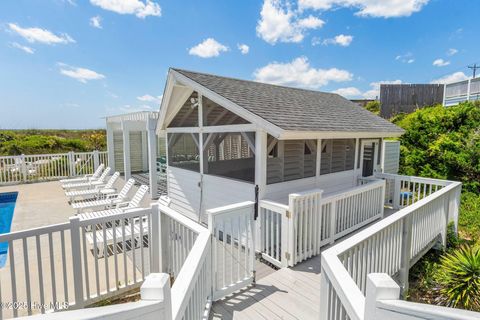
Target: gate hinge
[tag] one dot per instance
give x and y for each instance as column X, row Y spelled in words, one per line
column 288, row 214
column 287, row 255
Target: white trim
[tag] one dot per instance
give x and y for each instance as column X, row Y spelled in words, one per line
column 297, row 135
column 227, row 104
column 375, row 154
column 214, row 129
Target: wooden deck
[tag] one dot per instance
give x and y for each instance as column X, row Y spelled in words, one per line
column 288, row 293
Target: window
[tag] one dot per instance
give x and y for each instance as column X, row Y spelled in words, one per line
column 183, row 151
column 337, row 155
column 230, row 155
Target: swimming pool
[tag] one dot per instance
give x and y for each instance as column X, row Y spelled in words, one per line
column 7, row 206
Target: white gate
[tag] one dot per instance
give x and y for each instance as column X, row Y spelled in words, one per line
column 233, row 244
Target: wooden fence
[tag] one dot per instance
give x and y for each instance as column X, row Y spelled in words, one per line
column 44, row 167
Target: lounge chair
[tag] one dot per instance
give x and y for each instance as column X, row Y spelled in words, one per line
column 100, row 190
column 99, row 242
column 89, row 184
column 114, row 200
column 85, row 178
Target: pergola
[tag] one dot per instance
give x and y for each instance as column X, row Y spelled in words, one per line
column 133, row 130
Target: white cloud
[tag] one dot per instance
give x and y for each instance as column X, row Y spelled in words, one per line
column 278, row 22
column 374, row 91
column 405, row 58
column 452, row 52
column 299, row 73
column 243, row 48
column 348, row 92
column 150, row 98
column 208, row 48
column 40, row 35
column 341, row 40
column 440, row 63
column 369, row 8
column 23, row 48
column 454, row 77
column 129, row 108
column 96, row 22
column 139, row 8
column 81, row 74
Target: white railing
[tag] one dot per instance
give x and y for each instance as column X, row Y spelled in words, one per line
column 75, row 263
column 383, row 302
column 232, row 229
column 293, row 233
column 467, row 90
column 390, row 246
column 402, row 191
column 42, row 167
column 81, row 262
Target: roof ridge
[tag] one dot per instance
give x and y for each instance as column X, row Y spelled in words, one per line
column 252, row 81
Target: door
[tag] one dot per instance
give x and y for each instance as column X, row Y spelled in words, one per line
column 369, row 157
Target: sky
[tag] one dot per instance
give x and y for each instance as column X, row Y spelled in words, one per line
column 66, row 64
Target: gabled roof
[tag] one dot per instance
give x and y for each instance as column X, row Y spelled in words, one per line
column 294, row 109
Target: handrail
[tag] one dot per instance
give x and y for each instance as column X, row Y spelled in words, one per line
column 421, row 310
column 334, row 272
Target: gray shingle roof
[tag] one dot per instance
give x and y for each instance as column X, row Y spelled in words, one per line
column 292, row 108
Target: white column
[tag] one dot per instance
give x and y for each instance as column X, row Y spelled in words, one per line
column 110, row 147
column 261, row 162
column 126, row 149
column 145, row 149
column 355, row 161
column 152, row 157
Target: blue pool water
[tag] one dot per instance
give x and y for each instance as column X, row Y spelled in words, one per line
column 7, row 205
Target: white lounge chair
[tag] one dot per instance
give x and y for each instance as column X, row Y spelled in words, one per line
column 100, row 190
column 85, row 178
column 112, row 200
column 99, row 242
column 89, row 184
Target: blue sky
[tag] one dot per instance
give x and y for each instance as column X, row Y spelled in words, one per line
column 68, row 63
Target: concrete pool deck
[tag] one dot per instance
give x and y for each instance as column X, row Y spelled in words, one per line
column 42, row 204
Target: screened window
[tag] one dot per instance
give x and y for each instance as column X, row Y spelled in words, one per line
column 183, row 151
column 230, row 154
column 337, row 155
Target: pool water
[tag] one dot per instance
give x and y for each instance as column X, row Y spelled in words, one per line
column 7, row 206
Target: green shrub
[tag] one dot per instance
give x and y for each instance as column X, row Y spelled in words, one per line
column 373, row 106
column 460, row 277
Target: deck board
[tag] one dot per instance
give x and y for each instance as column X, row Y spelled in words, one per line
column 288, row 293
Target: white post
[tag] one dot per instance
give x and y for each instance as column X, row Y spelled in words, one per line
column 396, row 193
column 324, row 295
column 355, row 161
column 261, row 162
column 468, row 89
column 126, row 150
column 24, row 168
column 292, row 221
column 152, row 157
column 156, row 287
column 77, row 262
column 96, row 160
column 71, row 161
column 333, row 220
column 110, row 147
column 319, row 158
column 145, row 146
column 156, row 234
column 405, row 252
column 379, row 287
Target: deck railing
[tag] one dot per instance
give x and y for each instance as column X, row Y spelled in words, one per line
column 293, row 233
column 390, row 246
column 81, row 262
column 43, row 167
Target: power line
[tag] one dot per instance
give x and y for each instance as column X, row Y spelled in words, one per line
column 474, row 68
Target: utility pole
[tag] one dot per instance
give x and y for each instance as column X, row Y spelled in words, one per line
column 474, row 68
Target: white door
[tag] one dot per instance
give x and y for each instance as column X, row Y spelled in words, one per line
column 369, row 157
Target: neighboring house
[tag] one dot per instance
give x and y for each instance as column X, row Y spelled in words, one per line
column 406, row 98
column 225, row 137
column 456, row 92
